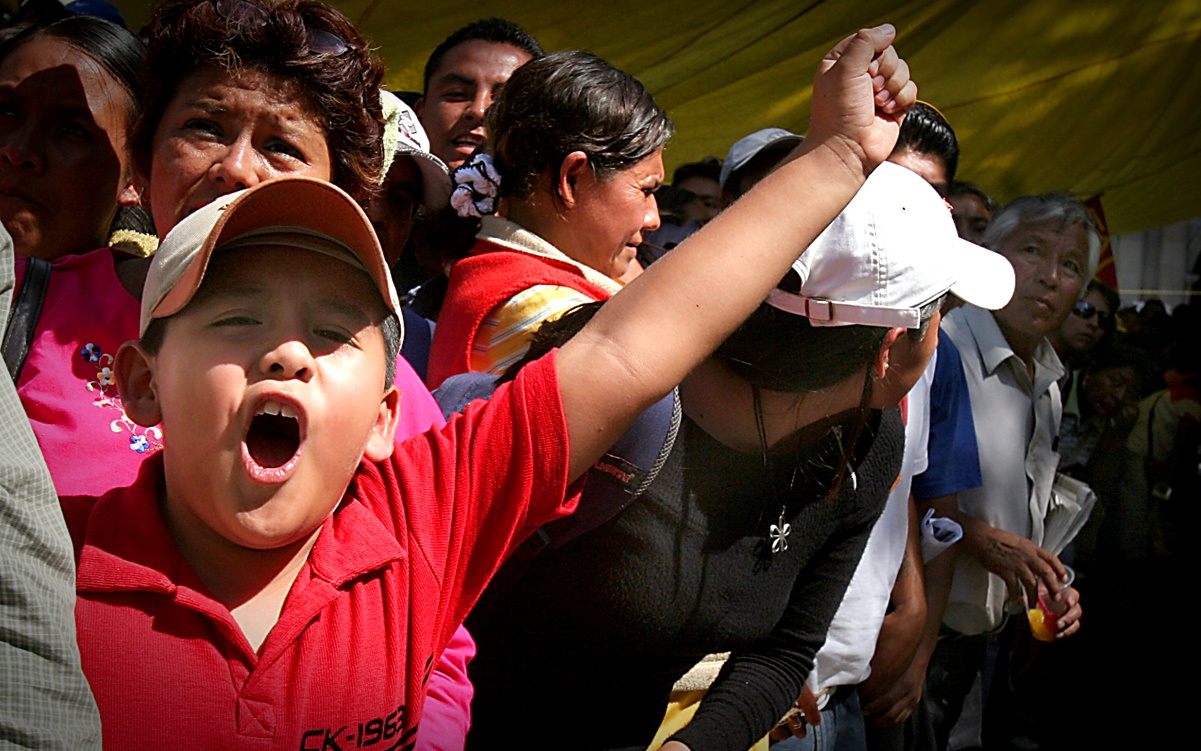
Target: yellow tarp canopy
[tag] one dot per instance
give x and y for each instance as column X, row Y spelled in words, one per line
column 1045, row 95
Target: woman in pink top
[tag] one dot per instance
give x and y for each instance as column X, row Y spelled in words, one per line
column 66, row 108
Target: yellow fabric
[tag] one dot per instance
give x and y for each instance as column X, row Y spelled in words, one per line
column 679, row 713
column 505, row 335
column 1045, row 95
column 134, row 242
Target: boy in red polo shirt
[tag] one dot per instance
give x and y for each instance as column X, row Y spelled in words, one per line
column 280, row 577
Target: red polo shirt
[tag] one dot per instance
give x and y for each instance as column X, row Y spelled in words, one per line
column 392, row 574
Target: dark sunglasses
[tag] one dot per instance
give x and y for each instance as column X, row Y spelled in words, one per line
column 244, row 11
column 1087, row 310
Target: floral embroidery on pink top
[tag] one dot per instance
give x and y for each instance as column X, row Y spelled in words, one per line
column 142, row 440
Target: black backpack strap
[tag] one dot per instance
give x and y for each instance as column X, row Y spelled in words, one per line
column 417, row 340
column 23, row 318
column 458, row 391
column 622, row 475
column 617, row 479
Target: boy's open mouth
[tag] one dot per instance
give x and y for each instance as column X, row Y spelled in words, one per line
column 272, row 441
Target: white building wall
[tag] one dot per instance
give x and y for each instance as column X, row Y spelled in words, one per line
column 1159, row 263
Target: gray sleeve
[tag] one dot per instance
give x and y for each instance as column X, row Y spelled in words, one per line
column 46, row 702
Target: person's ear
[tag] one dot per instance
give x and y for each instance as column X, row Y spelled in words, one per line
column 141, row 185
column 573, row 168
column 885, row 354
column 419, row 107
column 139, row 175
column 383, row 433
column 886, row 392
column 134, row 370
column 131, row 192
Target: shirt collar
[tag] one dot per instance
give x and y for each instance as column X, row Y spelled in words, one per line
column 1048, row 368
column 995, row 349
column 353, row 542
column 993, row 346
column 126, row 544
column 513, row 236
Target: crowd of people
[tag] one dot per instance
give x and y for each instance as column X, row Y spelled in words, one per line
column 341, row 417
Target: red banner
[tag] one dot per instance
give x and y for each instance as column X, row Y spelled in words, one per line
column 1107, row 272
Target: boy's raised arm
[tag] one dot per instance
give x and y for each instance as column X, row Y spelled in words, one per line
column 646, row 339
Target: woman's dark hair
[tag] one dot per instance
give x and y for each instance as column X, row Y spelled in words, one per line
column 341, row 87
column 780, row 351
column 571, row 101
column 773, row 350
column 118, row 51
column 133, row 218
column 551, row 333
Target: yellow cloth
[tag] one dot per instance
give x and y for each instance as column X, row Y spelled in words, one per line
column 134, row 242
column 506, row 332
column 679, row 713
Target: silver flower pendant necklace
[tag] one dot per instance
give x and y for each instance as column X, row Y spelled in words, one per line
column 777, row 534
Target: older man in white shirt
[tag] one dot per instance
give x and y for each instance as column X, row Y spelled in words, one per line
column 1011, row 371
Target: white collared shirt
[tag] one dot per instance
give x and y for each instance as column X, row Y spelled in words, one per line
column 845, row 658
column 1017, row 423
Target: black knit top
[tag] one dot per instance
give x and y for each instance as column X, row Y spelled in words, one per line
column 585, row 649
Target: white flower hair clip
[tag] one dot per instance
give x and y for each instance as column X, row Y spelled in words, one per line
column 477, row 185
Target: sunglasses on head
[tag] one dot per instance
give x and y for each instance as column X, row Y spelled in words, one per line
column 1087, row 310
column 244, row 11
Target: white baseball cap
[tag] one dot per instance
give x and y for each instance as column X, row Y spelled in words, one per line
column 294, row 212
column 891, row 251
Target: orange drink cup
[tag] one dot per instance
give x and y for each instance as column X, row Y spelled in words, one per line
column 1042, row 622
column 1043, row 617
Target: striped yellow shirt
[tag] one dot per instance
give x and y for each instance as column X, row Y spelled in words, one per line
column 506, row 332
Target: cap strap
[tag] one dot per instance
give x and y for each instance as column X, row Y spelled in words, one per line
column 836, row 313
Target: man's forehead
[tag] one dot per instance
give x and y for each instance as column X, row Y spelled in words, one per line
column 1067, row 237
column 1098, row 300
column 968, row 203
column 461, row 61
